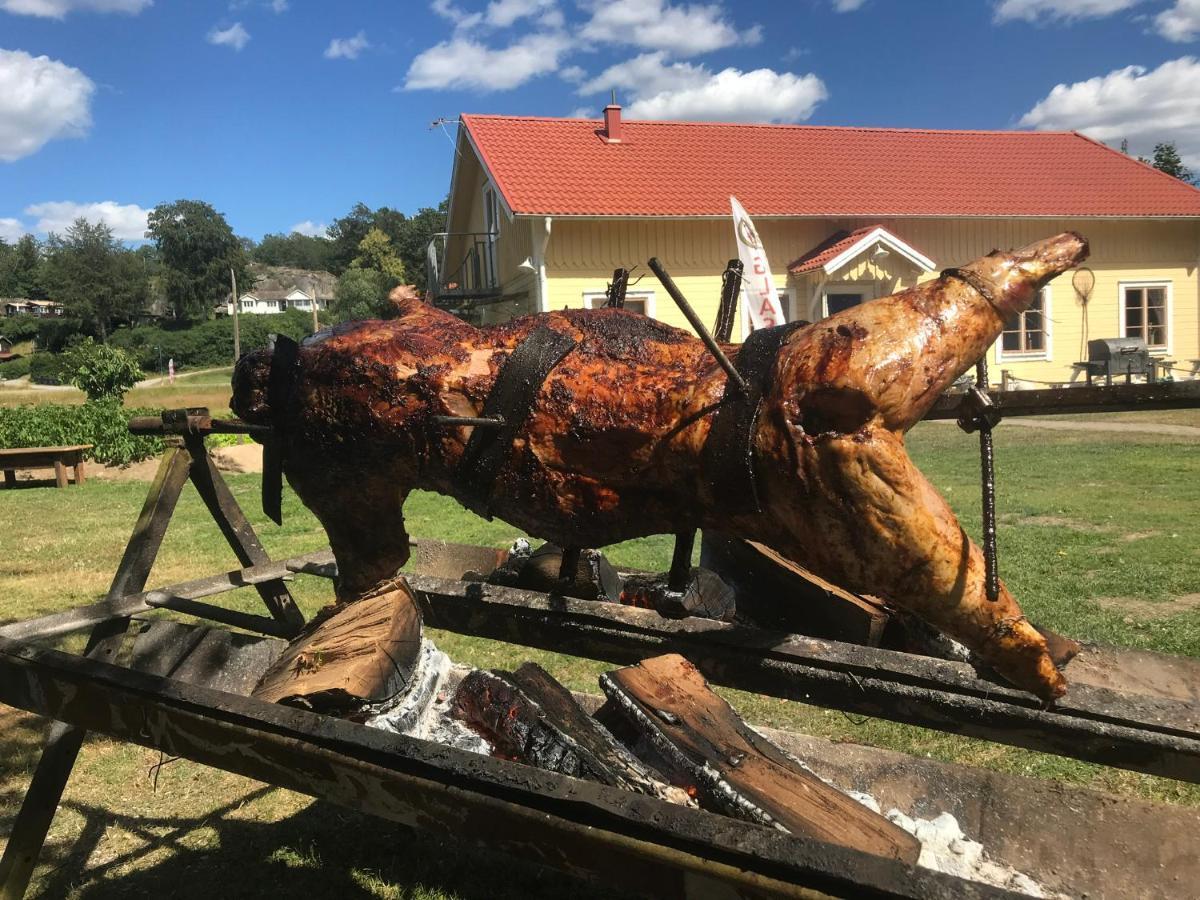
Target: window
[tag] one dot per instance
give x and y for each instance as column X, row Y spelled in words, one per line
column 635, row 301
column 491, row 216
column 1026, row 334
column 840, row 297
column 785, row 304
column 1145, row 310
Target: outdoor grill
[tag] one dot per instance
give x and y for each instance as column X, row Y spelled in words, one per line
column 1118, row 357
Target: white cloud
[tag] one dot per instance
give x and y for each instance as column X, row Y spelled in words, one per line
column 58, row 9
column 573, row 74
column 279, row 6
column 678, row 90
column 1042, row 11
column 465, row 63
column 685, row 30
column 647, row 75
column 234, row 36
column 11, row 230
column 347, row 48
column 309, row 228
column 458, row 16
column 1180, row 23
column 40, row 99
column 127, row 221
column 503, row 13
column 1144, row 106
column 847, row 5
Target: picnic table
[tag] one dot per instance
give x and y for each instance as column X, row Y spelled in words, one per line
column 57, row 458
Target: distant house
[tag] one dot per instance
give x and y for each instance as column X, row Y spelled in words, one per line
column 279, row 288
column 19, row 306
column 543, row 210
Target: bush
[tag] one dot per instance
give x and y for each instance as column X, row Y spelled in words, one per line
column 100, row 371
column 103, row 423
column 16, row 368
column 56, row 333
column 207, row 344
column 47, row 368
column 20, row 328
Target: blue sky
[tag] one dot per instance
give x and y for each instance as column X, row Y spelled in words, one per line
column 284, row 113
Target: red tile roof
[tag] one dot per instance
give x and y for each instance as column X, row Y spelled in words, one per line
column 563, row 167
column 832, row 246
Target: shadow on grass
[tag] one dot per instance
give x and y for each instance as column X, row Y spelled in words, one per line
column 320, row 851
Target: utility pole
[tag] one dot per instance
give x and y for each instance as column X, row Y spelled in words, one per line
column 237, row 337
column 316, row 324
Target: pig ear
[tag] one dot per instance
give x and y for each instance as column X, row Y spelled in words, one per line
column 285, row 355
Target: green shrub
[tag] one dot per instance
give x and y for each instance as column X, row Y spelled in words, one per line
column 103, row 423
column 15, row 368
column 47, row 368
column 207, row 344
column 20, row 328
column 100, row 371
column 56, row 333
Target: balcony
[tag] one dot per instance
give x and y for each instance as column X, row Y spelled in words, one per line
column 461, row 266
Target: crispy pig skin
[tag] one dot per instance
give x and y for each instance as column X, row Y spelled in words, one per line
column 612, row 448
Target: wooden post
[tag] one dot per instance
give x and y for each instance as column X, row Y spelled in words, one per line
column 1005, row 378
column 237, row 337
column 63, row 742
column 60, row 473
column 316, row 323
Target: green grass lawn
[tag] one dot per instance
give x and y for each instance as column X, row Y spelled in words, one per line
column 1099, row 539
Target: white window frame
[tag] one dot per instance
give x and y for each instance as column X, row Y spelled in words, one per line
column 790, row 293
column 845, row 288
column 597, row 299
column 491, row 205
column 1046, row 354
column 1168, row 350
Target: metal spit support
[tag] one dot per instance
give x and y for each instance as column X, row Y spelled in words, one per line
column 979, row 413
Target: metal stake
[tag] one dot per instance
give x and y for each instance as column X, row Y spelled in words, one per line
column 694, row 320
column 987, row 466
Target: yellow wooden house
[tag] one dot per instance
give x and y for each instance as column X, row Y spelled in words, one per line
column 542, row 211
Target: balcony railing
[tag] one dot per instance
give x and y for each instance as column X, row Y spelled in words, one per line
column 462, row 266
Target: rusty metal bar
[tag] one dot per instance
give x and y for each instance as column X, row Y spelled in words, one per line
column 731, row 289
column 694, row 320
column 1072, row 400
column 629, row 840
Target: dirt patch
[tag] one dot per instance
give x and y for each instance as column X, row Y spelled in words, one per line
column 1150, row 610
column 239, row 458
column 138, row 471
column 1139, row 535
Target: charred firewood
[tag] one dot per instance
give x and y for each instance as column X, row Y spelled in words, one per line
column 705, row 595
column 529, row 717
column 593, row 577
column 733, row 769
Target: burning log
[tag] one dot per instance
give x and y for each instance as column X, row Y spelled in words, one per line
column 349, row 655
column 733, row 769
column 528, row 716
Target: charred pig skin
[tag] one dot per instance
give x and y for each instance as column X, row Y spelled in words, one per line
column 613, row 446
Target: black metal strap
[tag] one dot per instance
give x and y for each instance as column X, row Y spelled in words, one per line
column 511, row 399
column 975, row 280
column 729, row 450
column 285, row 359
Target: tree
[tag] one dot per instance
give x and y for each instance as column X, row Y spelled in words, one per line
column 101, row 372
column 362, row 290
column 22, row 271
column 197, row 248
column 300, row 251
column 410, row 236
column 94, row 277
column 1167, row 159
column 375, row 251
column 361, row 294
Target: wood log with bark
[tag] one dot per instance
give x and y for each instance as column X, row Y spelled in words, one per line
column 612, row 444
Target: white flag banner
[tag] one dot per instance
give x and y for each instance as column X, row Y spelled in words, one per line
column 760, row 302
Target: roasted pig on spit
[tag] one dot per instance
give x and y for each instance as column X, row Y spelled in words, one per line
column 612, row 442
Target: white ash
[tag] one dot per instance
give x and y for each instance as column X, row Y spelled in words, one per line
column 944, row 846
column 420, row 706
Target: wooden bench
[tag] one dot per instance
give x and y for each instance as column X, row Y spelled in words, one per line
column 57, row 458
